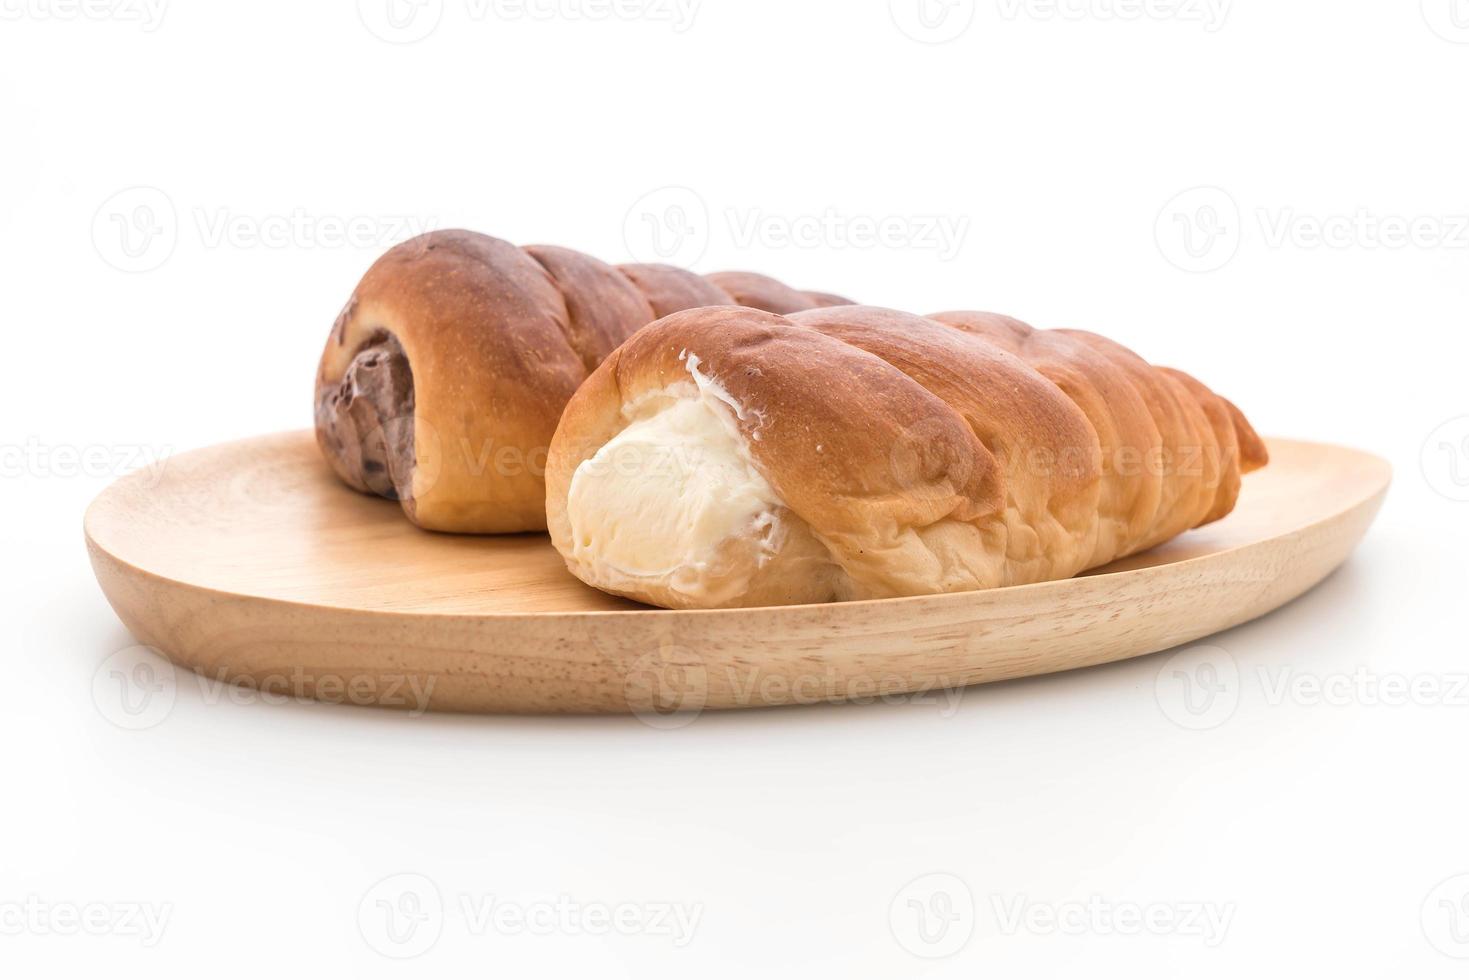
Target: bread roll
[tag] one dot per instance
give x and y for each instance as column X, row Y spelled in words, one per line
column 732, row 457
column 446, row 372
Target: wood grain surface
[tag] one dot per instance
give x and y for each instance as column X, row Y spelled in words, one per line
column 249, row 562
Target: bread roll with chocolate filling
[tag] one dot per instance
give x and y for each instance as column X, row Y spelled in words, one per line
column 446, row 372
column 732, row 457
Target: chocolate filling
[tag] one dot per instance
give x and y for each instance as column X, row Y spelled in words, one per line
column 365, row 422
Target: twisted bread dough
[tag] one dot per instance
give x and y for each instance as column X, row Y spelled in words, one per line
column 445, row 374
column 730, row 457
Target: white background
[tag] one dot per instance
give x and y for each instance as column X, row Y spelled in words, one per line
column 1058, row 141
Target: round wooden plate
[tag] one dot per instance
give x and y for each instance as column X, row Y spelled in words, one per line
column 249, row 562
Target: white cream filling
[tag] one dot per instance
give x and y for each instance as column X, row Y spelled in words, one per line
column 663, row 498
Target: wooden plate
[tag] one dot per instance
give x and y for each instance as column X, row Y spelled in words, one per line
column 249, row 562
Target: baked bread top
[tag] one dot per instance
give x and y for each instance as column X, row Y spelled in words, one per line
column 726, row 456
column 444, row 376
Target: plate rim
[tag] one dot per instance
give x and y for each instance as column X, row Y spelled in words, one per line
column 1373, row 498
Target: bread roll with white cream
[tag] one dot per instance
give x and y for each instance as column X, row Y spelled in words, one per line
column 731, row 457
column 446, row 372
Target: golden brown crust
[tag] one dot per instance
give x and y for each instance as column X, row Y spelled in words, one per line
column 961, row 451
column 484, row 330
column 1202, row 442
column 1044, row 445
column 1183, row 460
column 670, row 289
column 913, row 465
column 1252, row 452
column 821, row 300
column 493, row 339
column 603, row 306
column 764, row 293
column 1225, row 478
